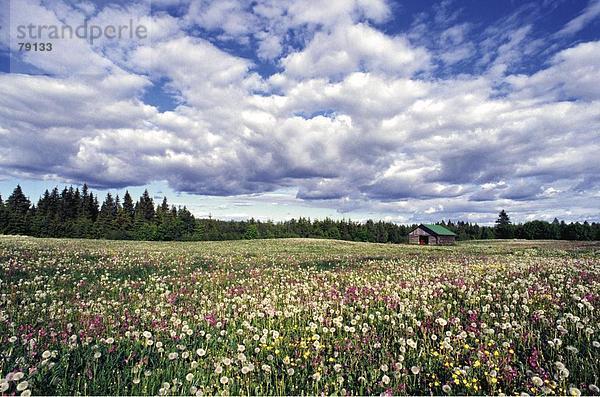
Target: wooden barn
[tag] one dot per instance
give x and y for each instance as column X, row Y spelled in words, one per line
column 431, row 235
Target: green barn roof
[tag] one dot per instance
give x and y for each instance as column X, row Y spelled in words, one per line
column 439, row 230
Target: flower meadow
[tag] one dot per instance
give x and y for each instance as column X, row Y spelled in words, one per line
column 297, row 317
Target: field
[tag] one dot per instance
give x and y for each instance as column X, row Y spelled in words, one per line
column 298, row 317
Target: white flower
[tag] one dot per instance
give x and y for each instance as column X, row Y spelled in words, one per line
column 415, row 370
column 46, row 354
column 575, row 392
column 173, row 355
column 22, row 386
column 317, row 376
column 218, row 369
column 224, row 380
column 446, row 389
column 17, row 376
column 385, row 379
column 441, row 322
column 4, row 386
column 384, row 367
column 245, row 370
column 241, row 348
column 110, row 341
column 136, row 381
column 337, row 367
column 189, row 377
column 97, row 355
column 147, row 334
column 537, row 381
column 26, row 393
column 201, row 352
column 290, row 371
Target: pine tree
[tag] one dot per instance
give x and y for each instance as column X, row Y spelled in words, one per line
column 107, row 216
column 164, row 206
column 94, row 207
column 146, row 207
column 84, row 204
column 44, row 204
column 17, row 208
column 3, row 219
column 504, row 228
column 128, row 206
column 187, row 220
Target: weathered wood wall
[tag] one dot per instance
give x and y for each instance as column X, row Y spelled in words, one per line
column 413, row 238
column 446, row 240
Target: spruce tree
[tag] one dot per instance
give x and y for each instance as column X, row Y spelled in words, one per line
column 2, row 216
column 107, row 217
column 84, row 204
column 17, row 208
column 128, row 206
column 504, row 228
column 146, row 207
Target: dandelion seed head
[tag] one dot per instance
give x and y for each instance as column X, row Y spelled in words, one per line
column 22, row 385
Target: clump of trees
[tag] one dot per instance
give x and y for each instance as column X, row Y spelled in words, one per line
column 542, row 230
column 75, row 213
column 78, row 213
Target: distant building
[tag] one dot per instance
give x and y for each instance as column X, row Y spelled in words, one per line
column 431, row 235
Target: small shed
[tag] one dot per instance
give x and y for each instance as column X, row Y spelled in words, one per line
column 431, row 235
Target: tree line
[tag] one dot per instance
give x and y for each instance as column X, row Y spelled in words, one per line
column 76, row 213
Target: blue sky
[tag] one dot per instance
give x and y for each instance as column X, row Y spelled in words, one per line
column 409, row 111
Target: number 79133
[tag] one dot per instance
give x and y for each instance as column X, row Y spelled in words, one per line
column 26, row 46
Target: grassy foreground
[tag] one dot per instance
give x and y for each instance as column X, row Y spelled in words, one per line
column 298, row 317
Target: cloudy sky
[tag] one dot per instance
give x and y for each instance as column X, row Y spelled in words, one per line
column 407, row 111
